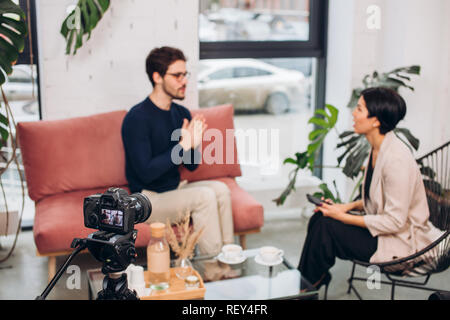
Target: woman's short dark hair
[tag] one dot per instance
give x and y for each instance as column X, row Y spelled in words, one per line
column 386, row 105
column 160, row 59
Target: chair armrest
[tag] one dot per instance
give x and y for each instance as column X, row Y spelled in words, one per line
column 442, row 238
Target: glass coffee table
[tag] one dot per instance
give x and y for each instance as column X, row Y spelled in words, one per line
column 254, row 281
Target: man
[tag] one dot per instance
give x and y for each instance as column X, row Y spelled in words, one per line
column 153, row 155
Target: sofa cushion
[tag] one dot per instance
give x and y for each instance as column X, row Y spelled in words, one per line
column 248, row 214
column 59, row 219
column 218, row 146
column 74, row 154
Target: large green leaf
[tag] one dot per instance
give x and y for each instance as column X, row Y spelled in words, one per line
column 13, row 31
column 324, row 121
column 394, row 79
column 9, row 7
column 413, row 141
column 81, row 21
column 327, row 194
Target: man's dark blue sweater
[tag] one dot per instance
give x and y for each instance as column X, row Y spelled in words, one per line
column 147, row 138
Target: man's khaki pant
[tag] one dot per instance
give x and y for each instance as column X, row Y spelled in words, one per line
column 209, row 203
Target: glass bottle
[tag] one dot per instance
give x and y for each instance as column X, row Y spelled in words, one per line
column 158, row 258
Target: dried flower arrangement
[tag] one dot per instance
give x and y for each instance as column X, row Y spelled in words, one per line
column 184, row 243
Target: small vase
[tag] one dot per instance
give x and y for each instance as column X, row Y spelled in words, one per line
column 184, row 268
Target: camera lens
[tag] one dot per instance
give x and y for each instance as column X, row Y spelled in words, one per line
column 143, row 207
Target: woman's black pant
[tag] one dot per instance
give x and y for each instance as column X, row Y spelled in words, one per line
column 327, row 239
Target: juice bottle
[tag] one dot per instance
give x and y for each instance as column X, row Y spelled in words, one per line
column 158, row 258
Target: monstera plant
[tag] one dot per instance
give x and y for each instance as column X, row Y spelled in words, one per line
column 13, row 31
column 81, row 21
column 355, row 148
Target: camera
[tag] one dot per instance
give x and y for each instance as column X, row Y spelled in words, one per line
column 116, row 211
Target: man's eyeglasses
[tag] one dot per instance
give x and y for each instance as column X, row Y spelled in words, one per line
column 180, row 75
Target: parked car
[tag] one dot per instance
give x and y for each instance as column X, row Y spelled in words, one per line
column 272, row 28
column 249, row 84
column 207, row 29
column 19, row 85
column 282, row 29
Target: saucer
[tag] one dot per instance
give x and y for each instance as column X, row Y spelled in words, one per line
column 260, row 261
column 222, row 259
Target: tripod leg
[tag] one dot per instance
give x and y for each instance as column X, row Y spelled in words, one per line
column 82, row 246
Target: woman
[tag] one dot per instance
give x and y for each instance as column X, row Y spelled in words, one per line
column 396, row 222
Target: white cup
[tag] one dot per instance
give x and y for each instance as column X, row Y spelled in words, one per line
column 141, row 290
column 270, row 254
column 137, row 277
column 231, row 252
column 128, row 272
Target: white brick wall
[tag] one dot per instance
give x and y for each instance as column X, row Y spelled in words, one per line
column 108, row 72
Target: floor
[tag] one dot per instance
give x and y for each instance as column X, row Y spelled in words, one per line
column 24, row 275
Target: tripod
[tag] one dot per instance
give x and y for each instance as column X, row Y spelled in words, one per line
column 116, row 252
column 115, row 287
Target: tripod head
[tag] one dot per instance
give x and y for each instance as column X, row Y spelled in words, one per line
column 115, row 251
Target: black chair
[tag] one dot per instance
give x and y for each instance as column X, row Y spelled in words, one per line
column 440, row 295
column 435, row 168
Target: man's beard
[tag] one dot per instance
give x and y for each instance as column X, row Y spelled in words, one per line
column 174, row 95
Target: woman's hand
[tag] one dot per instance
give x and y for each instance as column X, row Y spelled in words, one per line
column 332, row 210
column 338, row 212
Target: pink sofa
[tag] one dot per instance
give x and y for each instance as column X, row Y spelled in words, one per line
column 67, row 160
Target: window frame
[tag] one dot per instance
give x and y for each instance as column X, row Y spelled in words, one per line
column 315, row 47
column 24, row 57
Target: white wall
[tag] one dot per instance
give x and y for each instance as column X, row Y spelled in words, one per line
column 422, row 37
column 108, row 72
column 339, row 79
column 411, row 32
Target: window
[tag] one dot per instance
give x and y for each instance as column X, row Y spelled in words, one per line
column 254, row 20
column 22, row 92
column 267, row 58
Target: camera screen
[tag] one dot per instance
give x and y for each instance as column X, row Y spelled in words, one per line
column 112, row 217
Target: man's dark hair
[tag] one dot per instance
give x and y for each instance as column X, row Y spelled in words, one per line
column 386, row 105
column 160, row 59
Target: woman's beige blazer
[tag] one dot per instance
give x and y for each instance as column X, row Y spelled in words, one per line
column 397, row 211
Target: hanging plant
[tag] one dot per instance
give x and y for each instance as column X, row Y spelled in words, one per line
column 81, row 21
column 13, row 31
